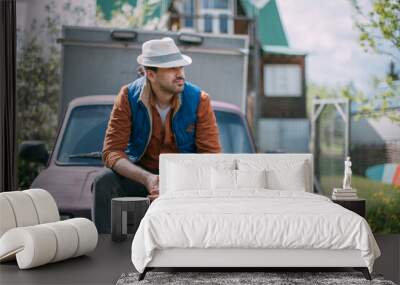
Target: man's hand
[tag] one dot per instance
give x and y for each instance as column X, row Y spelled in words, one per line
column 153, row 195
column 126, row 168
column 152, row 185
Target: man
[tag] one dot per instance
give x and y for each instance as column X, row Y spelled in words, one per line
column 157, row 113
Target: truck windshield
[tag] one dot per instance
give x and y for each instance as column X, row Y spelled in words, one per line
column 83, row 138
column 234, row 135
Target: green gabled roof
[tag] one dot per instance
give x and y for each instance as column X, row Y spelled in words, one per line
column 282, row 50
column 270, row 31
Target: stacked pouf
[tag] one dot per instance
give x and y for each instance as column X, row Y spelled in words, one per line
column 31, row 230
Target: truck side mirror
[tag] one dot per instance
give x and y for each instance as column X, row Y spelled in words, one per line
column 34, row 151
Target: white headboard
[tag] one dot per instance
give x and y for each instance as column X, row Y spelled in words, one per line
column 212, row 158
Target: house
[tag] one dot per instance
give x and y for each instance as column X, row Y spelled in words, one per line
column 379, row 138
column 276, row 95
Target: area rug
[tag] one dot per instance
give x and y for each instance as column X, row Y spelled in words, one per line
column 229, row 278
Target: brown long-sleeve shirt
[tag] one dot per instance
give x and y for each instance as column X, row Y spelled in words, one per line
column 162, row 139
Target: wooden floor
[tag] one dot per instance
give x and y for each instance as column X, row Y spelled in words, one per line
column 111, row 259
column 389, row 262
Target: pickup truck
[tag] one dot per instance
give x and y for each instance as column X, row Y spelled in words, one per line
column 76, row 157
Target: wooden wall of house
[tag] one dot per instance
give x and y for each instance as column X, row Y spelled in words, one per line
column 241, row 27
column 283, row 107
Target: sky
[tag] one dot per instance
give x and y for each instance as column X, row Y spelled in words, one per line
column 325, row 30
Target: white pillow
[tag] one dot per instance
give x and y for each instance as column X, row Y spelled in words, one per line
column 181, row 177
column 227, row 179
column 201, row 160
column 284, row 174
column 192, row 174
column 251, row 178
column 223, row 179
column 293, row 180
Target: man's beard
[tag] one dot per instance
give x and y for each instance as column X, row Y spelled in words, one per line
column 171, row 88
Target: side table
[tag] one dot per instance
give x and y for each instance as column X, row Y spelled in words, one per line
column 356, row 205
column 119, row 215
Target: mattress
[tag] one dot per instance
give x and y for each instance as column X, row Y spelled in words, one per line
column 250, row 219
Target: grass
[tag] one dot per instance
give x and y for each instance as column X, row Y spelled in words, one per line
column 383, row 201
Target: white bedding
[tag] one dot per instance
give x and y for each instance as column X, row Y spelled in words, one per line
column 251, row 218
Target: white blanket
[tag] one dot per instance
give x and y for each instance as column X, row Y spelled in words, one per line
column 253, row 218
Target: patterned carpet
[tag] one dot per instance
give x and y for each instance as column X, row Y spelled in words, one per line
column 225, row 278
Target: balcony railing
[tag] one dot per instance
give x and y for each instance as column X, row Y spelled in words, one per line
column 212, row 23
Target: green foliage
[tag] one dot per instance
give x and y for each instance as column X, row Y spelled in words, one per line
column 315, row 91
column 375, row 106
column 383, row 200
column 378, row 104
column 38, row 88
column 27, row 172
column 384, row 212
column 124, row 15
column 383, row 204
column 379, row 27
column 379, row 32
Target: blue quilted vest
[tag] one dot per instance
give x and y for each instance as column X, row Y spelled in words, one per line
column 183, row 122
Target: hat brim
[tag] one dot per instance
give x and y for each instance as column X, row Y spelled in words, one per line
column 186, row 60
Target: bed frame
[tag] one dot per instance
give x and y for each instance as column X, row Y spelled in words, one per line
column 242, row 259
column 246, row 258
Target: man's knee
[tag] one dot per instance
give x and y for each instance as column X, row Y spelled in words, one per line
column 106, row 180
column 104, row 187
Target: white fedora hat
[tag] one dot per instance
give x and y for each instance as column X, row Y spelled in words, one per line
column 162, row 53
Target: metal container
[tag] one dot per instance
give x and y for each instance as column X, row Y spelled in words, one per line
column 102, row 60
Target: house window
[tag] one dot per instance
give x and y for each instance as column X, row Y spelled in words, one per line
column 223, row 24
column 207, row 4
column 216, row 4
column 282, row 80
column 216, row 16
column 188, row 9
column 208, row 23
column 221, row 4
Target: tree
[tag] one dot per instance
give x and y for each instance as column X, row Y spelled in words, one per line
column 127, row 16
column 379, row 27
column 382, row 103
column 38, row 88
column 379, row 32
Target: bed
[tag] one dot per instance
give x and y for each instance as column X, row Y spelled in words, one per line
column 247, row 210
